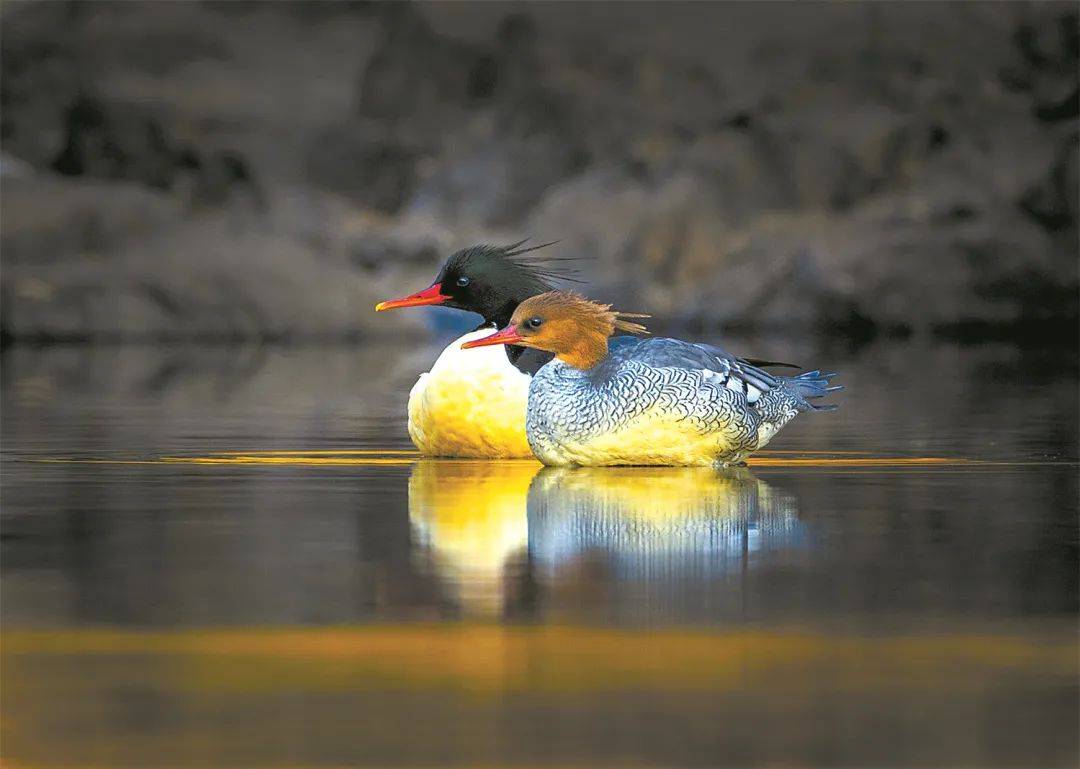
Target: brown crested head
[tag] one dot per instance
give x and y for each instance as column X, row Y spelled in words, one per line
column 567, row 324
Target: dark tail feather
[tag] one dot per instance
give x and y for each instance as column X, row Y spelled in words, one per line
column 814, row 384
column 770, row 363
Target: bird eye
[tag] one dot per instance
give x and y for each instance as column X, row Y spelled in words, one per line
column 463, row 281
column 533, row 322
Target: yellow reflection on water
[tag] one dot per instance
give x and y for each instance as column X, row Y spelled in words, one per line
column 450, row 695
column 500, row 657
column 660, row 495
column 652, row 519
column 471, row 515
column 479, row 523
column 290, row 458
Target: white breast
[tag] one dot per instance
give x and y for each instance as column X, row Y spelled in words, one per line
column 471, row 404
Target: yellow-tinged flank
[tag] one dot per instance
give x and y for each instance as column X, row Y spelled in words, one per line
column 471, row 404
column 654, row 438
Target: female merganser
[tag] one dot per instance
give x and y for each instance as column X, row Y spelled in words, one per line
column 470, row 406
column 643, row 401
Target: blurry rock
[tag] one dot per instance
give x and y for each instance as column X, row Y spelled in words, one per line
column 216, row 176
column 741, row 172
column 866, row 166
column 414, row 73
column 373, row 168
column 57, row 58
column 492, row 177
column 302, row 10
column 47, row 219
column 90, row 260
column 1052, row 200
column 450, row 129
column 13, row 167
column 201, row 281
column 115, row 143
column 1048, row 47
column 507, row 152
column 41, row 77
column 107, row 140
column 944, row 253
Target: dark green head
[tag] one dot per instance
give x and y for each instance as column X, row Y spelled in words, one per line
column 489, row 280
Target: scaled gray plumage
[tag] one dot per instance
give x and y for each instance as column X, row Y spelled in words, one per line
column 712, row 391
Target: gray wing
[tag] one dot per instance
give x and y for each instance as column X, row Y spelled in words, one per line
column 736, row 374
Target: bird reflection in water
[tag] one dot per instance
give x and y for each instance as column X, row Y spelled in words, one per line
column 498, row 532
column 641, row 515
column 469, row 518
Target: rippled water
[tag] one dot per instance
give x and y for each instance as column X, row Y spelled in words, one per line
column 232, row 557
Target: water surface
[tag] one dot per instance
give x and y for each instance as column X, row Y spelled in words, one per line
column 232, row 557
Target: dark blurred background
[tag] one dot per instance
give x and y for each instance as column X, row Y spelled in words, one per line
column 226, row 170
column 219, row 551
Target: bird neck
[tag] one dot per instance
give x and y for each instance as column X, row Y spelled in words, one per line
column 502, row 311
column 586, row 350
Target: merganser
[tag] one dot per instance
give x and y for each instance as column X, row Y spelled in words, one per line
column 643, row 401
column 469, row 405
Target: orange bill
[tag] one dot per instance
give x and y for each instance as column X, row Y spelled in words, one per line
column 430, row 295
column 508, row 335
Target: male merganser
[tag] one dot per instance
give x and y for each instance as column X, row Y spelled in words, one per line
column 643, row 401
column 470, row 405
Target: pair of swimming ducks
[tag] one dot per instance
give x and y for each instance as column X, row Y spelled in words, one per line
column 562, row 388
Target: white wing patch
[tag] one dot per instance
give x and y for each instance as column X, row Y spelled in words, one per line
column 736, row 383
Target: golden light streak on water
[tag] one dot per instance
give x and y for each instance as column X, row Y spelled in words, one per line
column 326, row 452
column 336, row 696
column 286, row 459
column 543, row 659
column 765, row 461
column 375, row 457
